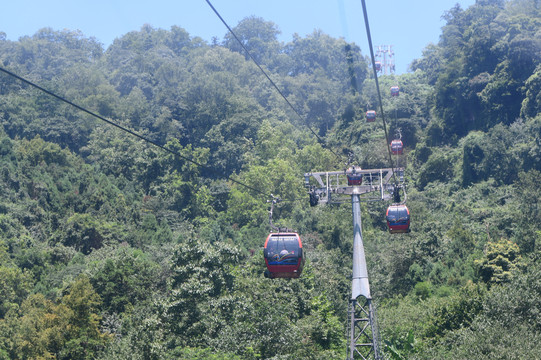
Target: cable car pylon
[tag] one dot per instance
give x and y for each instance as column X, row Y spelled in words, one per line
column 363, row 339
column 336, row 187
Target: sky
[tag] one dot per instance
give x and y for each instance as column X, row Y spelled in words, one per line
column 408, row 25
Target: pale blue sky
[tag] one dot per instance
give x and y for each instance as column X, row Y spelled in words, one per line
column 408, row 25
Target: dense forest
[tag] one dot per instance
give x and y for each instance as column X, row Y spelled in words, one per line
column 112, row 248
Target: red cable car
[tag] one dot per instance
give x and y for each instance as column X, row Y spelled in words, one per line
column 398, row 219
column 395, row 91
column 353, row 177
column 370, row 116
column 284, row 256
column 397, row 147
column 378, row 65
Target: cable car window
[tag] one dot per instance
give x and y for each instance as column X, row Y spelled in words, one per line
column 402, row 214
column 392, row 216
column 282, row 250
column 398, row 214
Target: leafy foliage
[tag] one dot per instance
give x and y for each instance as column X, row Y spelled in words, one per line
column 112, row 248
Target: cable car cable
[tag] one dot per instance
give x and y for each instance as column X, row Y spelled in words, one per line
column 271, row 81
column 175, row 153
column 372, row 58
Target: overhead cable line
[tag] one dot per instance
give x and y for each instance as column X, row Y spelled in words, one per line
column 175, row 153
column 372, row 58
column 270, row 80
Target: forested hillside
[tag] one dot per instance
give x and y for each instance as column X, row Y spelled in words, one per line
column 112, row 248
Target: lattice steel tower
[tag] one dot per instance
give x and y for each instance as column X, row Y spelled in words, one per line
column 385, row 55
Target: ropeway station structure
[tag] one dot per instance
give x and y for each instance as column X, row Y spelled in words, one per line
column 359, row 185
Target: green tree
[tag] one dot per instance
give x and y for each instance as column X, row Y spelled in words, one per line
column 201, row 272
column 125, row 279
column 42, row 329
column 258, row 36
column 85, row 233
column 502, row 261
column 322, row 325
column 531, row 104
column 35, row 332
column 15, row 286
column 458, row 312
column 436, row 168
column 79, row 310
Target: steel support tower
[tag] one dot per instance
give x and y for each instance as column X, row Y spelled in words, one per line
column 332, row 187
column 363, row 341
column 386, row 53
